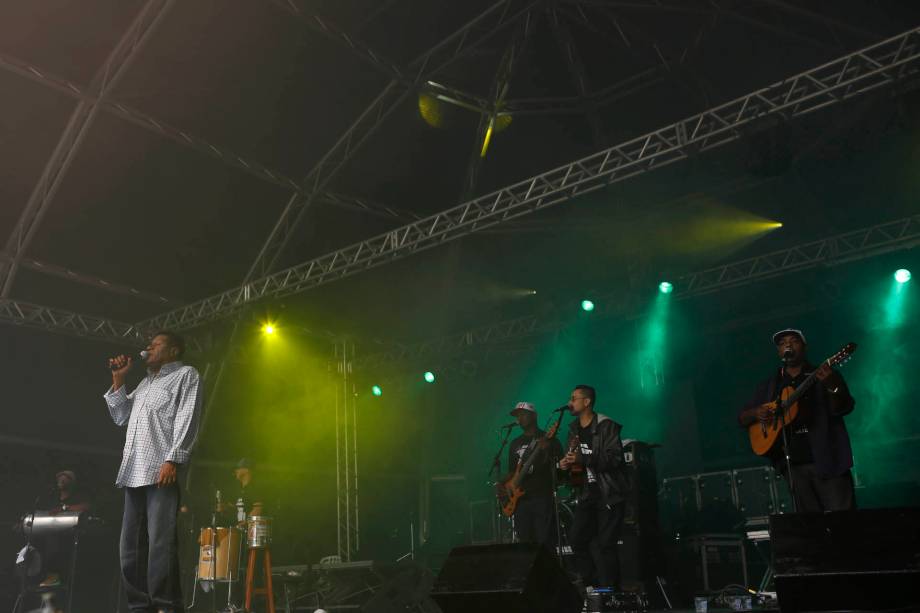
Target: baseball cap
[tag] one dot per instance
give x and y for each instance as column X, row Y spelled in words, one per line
column 244, row 463
column 523, row 406
column 67, row 473
column 784, row 332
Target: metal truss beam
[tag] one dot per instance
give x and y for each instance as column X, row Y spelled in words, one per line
column 332, row 32
column 831, row 251
column 187, row 139
column 356, row 203
column 856, row 245
column 106, row 78
column 851, row 75
column 62, row 321
column 89, row 280
column 496, row 17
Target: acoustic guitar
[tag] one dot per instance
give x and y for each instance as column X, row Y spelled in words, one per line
column 510, row 492
column 786, row 407
column 576, row 469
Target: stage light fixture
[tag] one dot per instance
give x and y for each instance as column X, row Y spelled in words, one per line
column 902, row 275
column 377, row 390
column 665, row 288
column 429, row 376
column 587, row 305
column 269, row 329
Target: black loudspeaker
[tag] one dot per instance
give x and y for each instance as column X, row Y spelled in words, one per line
column 514, row 578
column 640, row 550
column 851, row 560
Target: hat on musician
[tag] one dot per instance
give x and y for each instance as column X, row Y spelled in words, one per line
column 244, row 463
column 786, row 331
column 523, row 406
column 67, row 473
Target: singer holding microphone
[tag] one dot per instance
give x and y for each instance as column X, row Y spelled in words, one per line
column 161, row 415
column 819, row 446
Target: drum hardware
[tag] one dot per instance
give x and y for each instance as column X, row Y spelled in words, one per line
column 219, row 558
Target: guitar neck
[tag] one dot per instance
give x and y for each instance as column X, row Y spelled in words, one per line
column 525, row 467
column 803, row 387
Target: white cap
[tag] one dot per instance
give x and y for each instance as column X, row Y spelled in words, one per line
column 523, row 406
column 786, row 331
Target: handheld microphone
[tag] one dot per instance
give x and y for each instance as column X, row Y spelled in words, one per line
column 508, row 426
column 562, row 409
column 143, row 355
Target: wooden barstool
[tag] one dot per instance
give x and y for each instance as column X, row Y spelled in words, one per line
column 266, row 589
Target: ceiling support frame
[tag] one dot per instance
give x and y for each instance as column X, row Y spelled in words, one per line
column 108, row 75
column 834, row 250
column 851, row 75
column 493, row 19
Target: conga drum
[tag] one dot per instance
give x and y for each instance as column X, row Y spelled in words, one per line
column 219, row 558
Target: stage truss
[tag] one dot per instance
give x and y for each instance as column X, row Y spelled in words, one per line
column 874, row 67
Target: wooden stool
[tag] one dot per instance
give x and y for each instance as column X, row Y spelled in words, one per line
column 266, row 590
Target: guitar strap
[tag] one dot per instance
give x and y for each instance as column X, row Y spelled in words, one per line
column 530, row 449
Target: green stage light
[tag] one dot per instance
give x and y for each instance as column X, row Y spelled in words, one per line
column 587, row 305
column 429, row 376
column 665, row 288
column 377, row 390
column 902, row 275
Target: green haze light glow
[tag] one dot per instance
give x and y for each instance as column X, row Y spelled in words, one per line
column 902, row 275
column 429, row 376
column 653, row 338
column 665, row 288
column 587, row 305
column 377, row 390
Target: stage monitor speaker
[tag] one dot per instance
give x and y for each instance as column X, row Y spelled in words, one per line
column 851, row 560
column 513, row 578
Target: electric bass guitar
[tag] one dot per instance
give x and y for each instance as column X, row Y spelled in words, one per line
column 785, row 408
column 510, row 492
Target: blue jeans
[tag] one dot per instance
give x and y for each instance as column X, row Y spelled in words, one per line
column 149, row 549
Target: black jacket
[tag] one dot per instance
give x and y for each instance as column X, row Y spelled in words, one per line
column 827, row 433
column 607, row 461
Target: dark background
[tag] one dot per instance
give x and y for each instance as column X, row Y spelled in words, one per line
column 140, row 210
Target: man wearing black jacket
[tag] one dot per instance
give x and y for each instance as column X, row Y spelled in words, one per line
column 599, row 512
column 819, row 446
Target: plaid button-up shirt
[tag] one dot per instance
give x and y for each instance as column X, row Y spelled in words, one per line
column 162, row 418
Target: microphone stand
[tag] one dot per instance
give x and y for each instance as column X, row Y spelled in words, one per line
column 496, row 470
column 554, row 481
column 781, row 415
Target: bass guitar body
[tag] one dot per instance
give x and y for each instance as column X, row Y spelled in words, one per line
column 511, row 493
column 764, row 435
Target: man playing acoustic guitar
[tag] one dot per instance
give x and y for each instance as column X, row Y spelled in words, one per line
column 819, row 446
column 533, row 515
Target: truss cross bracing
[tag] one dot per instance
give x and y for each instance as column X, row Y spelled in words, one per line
column 60, row 320
column 831, row 251
column 108, row 75
column 853, row 74
column 346, row 453
column 496, row 17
